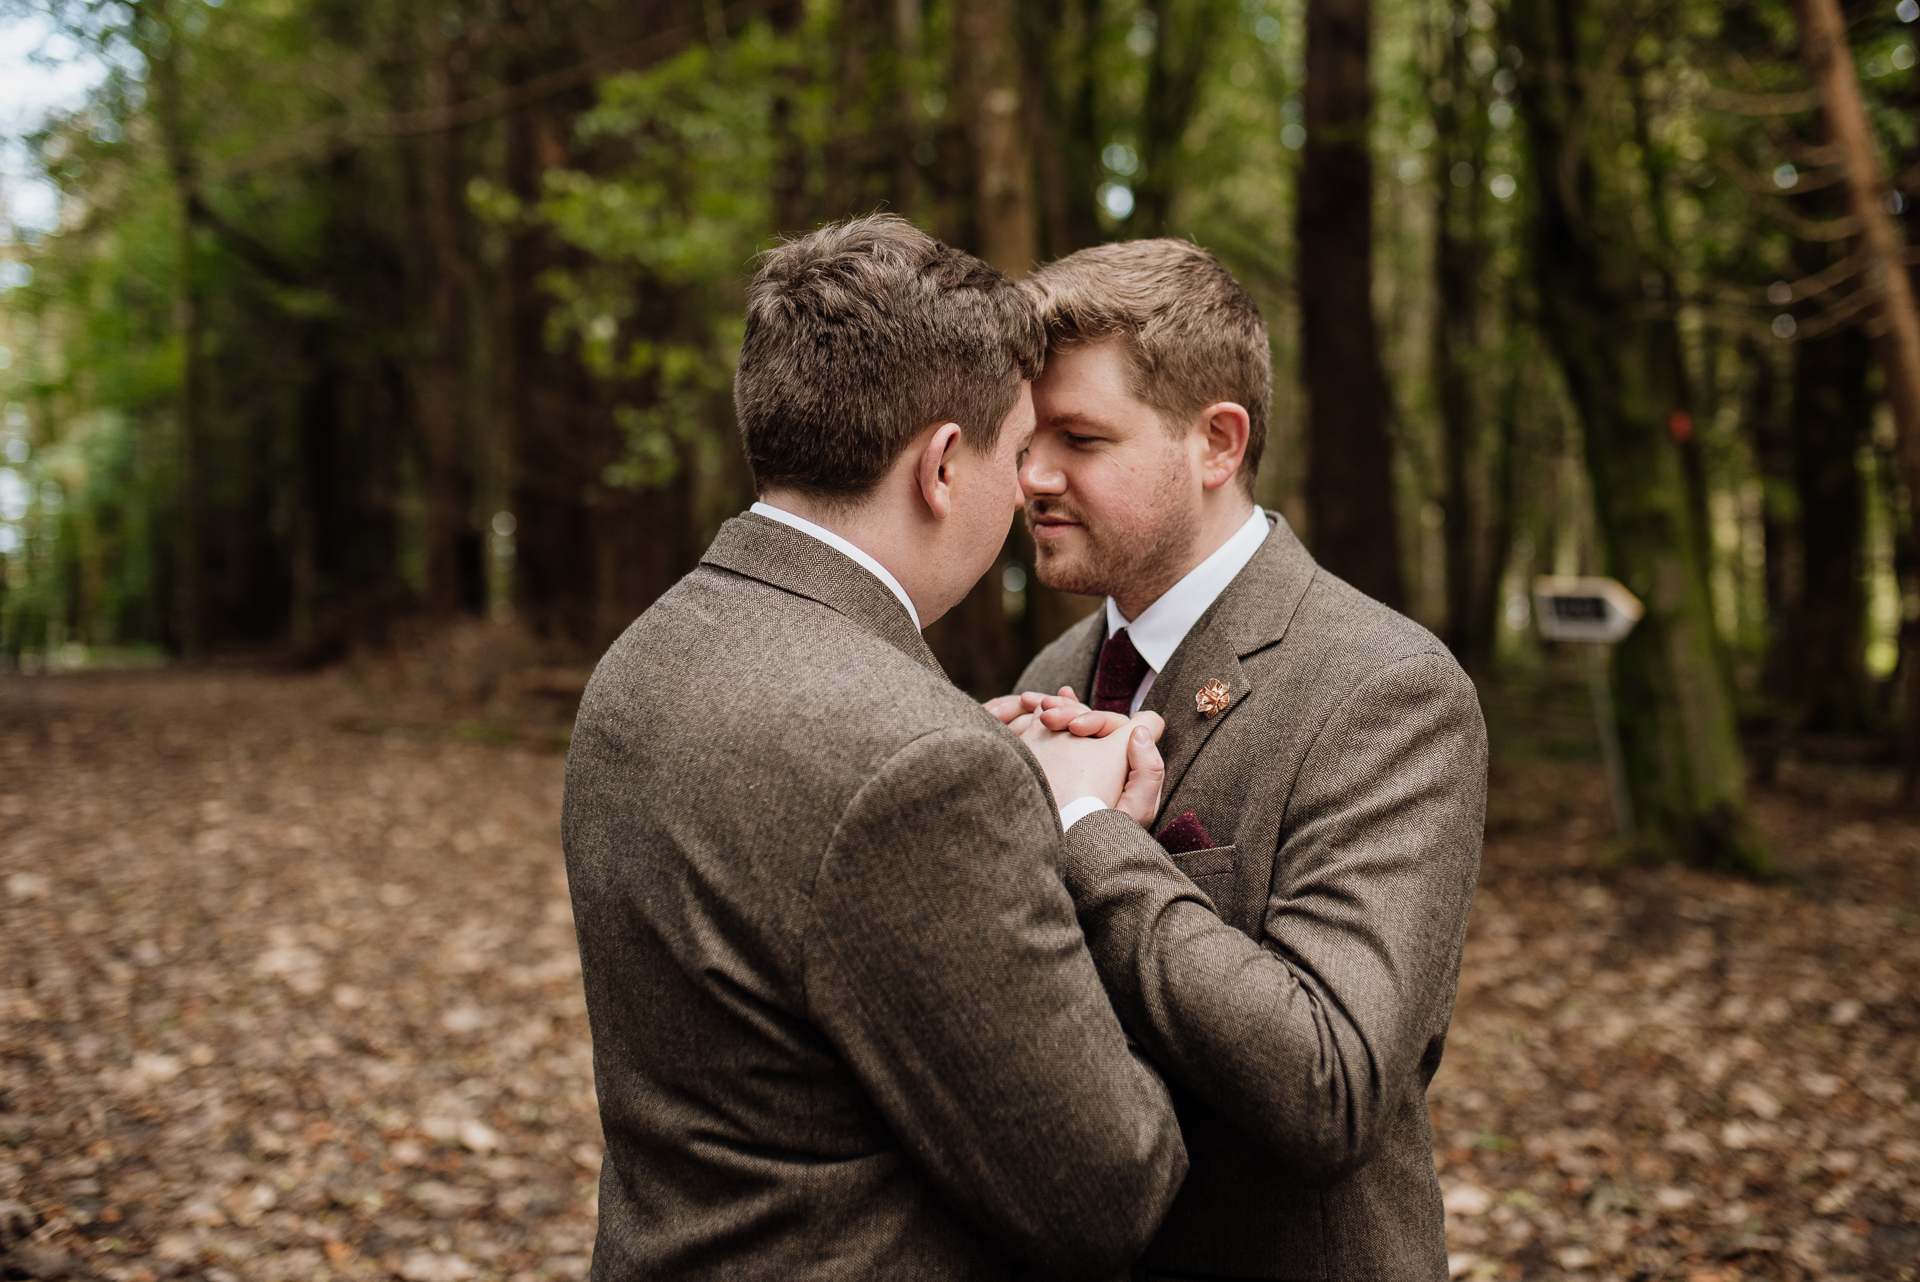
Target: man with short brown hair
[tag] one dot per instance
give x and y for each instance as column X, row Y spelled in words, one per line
column 1190, row 332
column 861, row 334
column 844, row 1023
column 1325, row 786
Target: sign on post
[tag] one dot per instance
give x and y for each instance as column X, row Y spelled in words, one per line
column 1584, row 609
column 1597, row 612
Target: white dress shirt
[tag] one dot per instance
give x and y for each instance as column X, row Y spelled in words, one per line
column 843, row 547
column 1162, row 626
column 1074, row 810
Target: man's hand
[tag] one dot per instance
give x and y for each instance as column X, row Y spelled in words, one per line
column 1124, row 770
column 1011, row 707
column 1061, row 711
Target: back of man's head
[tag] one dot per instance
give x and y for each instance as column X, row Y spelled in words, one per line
column 860, row 335
column 1192, row 335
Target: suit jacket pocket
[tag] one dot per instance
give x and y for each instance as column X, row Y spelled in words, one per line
column 1211, row 862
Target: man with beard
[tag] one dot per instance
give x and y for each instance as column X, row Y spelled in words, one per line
column 1325, row 786
column 844, row 1025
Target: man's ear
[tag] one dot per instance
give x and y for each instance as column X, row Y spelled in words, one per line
column 1224, row 428
column 935, row 470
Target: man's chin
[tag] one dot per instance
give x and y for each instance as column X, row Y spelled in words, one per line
column 1064, row 572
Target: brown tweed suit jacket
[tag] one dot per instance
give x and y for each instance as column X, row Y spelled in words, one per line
column 844, row 1022
column 1301, row 1027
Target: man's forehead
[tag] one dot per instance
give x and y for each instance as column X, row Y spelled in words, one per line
column 1083, row 401
column 1067, row 415
column 1087, row 375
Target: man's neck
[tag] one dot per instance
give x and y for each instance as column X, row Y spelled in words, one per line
column 866, row 525
column 1218, row 523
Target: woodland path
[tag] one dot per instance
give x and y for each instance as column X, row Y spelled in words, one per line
column 289, row 991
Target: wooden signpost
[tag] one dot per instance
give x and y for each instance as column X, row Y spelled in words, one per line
column 1595, row 613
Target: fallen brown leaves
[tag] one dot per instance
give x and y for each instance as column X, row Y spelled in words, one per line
column 1660, row 1074
column 290, row 991
column 282, row 1000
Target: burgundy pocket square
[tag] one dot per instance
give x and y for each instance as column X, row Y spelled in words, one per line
column 1185, row 835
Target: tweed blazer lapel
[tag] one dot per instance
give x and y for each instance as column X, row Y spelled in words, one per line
column 1203, row 656
column 1250, row 615
column 788, row 559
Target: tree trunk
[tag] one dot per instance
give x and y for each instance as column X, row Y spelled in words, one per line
column 1485, row 606
column 190, row 610
column 553, row 459
column 863, row 171
column 792, row 210
column 1823, row 46
column 312, row 430
column 1767, row 437
column 446, row 481
column 588, row 556
column 1003, row 166
column 1665, row 303
column 1889, row 474
column 1351, row 515
column 908, row 29
column 1186, row 34
column 975, row 642
column 1621, row 357
column 1058, row 43
column 1830, row 420
column 1458, row 258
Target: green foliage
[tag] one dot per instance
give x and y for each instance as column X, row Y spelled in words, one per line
column 313, row 246
column 670, row 227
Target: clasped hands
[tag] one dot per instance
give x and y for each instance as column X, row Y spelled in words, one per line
column 1087, row 753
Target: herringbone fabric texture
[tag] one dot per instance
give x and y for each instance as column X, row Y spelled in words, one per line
column 844, row 1024
column 1301, row 1026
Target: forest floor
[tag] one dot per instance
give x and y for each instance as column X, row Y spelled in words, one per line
column 290, row 992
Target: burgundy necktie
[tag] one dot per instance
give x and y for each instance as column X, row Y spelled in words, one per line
column 1116, row 679
column 1118, row 675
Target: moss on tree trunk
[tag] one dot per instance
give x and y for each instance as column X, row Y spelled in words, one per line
column 1621, row 354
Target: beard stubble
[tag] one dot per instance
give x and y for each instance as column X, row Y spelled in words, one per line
column 1141, row 560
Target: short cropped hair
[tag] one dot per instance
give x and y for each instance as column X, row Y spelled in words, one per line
column 862, row 334
column 1192, row 335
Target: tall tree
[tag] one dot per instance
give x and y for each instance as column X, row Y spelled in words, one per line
column 1459, row 257
column 1828, row 423
column 1186, row 34
column 975, row 642
column 1621, row 355
column 988, row 54
column 1059, row 43
column 1829, row 61
column 156, row 22
column 436, row 191
column 591, row 552
column 868, row 161
column 1351, row 517
column 1763, row 422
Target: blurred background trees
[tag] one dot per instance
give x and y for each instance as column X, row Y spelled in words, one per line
column 369, row 316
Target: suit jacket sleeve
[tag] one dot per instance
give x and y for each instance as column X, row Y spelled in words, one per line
column 944, row 960
column 1308, row 1039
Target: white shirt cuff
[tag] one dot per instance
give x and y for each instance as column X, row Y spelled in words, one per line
column 1074, row 811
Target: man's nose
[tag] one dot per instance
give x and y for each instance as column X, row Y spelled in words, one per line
column 1038, row 476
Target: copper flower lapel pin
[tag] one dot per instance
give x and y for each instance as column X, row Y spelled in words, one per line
column 1213, row 698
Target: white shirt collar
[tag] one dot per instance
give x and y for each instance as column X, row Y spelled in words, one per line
column 1162, row 626
column 847, row 549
